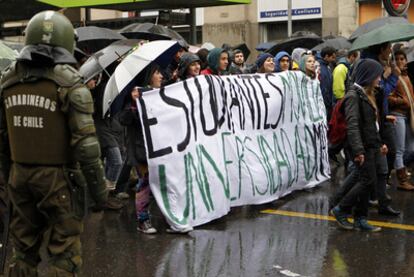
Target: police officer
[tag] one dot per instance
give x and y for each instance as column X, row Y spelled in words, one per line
column 48, row 148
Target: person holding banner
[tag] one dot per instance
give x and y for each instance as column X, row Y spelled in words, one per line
column 218, row 62
column 365, row 122
column 265, row 63
column 136, row 153
column 189, row 66
column 307, row 66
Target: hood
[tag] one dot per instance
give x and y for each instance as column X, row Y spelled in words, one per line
column 213, row 59
column 366, row 72
column 45, row 55
column 344, row 61
column 297, row 54
column 278, row 57
column 185, row 61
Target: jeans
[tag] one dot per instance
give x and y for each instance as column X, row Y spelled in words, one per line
column 357, row 196
column 143, row 194
column 113, row 163
column 404, row 140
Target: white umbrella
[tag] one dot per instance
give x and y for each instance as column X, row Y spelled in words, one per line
column 124, row 78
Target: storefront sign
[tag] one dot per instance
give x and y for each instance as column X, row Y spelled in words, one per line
column 271, row 10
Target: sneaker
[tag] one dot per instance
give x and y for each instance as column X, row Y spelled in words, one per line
column 146, row 227
column 184, row 230
column 361, row 224
column 341, row 218
column 122, row 195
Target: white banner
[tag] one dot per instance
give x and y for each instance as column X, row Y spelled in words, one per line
column 217, row 142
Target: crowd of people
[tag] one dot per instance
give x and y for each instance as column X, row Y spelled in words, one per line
column 370, row 91
column 368, row 97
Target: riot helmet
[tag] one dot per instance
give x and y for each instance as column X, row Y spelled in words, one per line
column 50, row 28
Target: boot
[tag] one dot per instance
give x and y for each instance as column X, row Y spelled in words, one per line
column 403, row 182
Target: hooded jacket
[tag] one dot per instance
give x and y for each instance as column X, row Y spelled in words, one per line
column 388, row 85
column 278, row 57
column 325, row 79
column 186, row 60
column 213, row 61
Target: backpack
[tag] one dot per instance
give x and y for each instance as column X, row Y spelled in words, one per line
column 337, row 125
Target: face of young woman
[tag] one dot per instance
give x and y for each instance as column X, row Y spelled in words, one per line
column 156, row 79
column 310, row 64
column 401, row 61
column 376, row 82
column 224, row 61
column 134, row 93
column 194, row 69
column 269, row 65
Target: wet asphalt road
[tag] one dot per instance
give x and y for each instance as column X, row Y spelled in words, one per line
column 249, row 243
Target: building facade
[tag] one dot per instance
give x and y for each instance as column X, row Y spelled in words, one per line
column 266, row 20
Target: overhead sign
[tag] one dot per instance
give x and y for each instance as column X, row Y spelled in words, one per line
column 217, row 142
column 270, row 10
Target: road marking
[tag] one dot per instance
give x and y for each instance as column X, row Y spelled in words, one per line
column 331, row 218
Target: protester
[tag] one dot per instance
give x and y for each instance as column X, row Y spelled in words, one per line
column 218, row 62
column 136, row 153
column 362, row 111
column 265, row 63
column 283, row 61
column 202, row 54
column 340, row 73
column 170, row 74
column 189, row 66
column 326, row 58
column 297, row 54
column 401, row 106
column 238, row 64
column 307, row 66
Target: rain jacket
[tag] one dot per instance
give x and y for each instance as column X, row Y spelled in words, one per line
column 325, row 79
column 340, row 75
column 213, row 60
column 278, row 57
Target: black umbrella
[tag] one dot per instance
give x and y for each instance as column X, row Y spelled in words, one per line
column 151, row 31
column 338, row 43
column 243, row 47
column 104, row 58
column 147, row 31
column 265, row 45
column 92, row 39
column 376, row 23
column 308, row 41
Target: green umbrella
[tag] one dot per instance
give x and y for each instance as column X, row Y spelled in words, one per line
column 386, row 33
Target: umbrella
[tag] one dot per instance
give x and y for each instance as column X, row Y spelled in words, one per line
column 386, row 33
column 265, row 45
column 243, row 47
column 102, row 59
column 208, row 46
column 193, row 49
column 127, row 73
column 337, row 43
column 308, row 41
column 147, row 31
column 150, row 31
column 92, row 39
column 377, row 23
